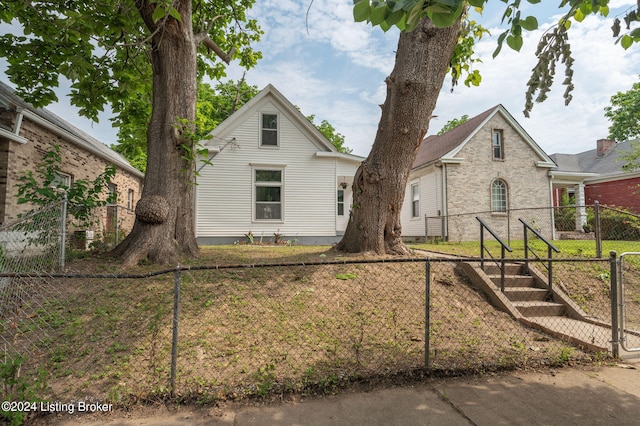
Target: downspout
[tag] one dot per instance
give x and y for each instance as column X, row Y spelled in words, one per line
column 18, row 124
column 14, row 135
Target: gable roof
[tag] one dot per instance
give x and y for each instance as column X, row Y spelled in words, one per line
column 46, row 118
column 443, row 148
column 283, row 103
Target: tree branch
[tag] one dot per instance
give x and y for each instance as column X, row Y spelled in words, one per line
column 206, row 40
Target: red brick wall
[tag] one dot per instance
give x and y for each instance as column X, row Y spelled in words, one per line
column 620, row 193
column 80, row 164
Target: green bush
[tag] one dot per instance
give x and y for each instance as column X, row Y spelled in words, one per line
column 617, row 225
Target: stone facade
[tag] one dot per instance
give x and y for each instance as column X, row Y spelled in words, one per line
column 81, row 159
column 469, row 183
column 454, row 173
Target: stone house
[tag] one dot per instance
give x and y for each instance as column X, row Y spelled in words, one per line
column 27, row 133
column 487, row 167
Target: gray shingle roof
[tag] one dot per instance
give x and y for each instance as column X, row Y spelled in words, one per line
column 435, row 147
column 610, row 163
column 89, row 141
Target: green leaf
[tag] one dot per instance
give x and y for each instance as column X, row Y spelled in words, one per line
column 414, row 16
column 626, row 41
column 378, row 14
column 448, row 16
column 515, row 42
column 530, row 23
column 394, row 17
column 361, row 10
column 579, row 16
column 158, row 13
column 501, row 38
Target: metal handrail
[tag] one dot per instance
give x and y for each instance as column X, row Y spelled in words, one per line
column 504, row 246
column 550, row 248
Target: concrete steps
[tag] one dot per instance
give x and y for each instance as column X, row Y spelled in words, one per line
column 527, row 298
column 524, row 293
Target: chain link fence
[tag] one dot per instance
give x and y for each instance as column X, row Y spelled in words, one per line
column 28, row 302
column 592, row 230
column 227, row 332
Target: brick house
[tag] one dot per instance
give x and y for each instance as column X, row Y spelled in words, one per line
column 26, row 133
column 488, row 165
column 597, row 175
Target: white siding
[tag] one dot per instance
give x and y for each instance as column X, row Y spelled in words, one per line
column 429, row 183
column 225, row 205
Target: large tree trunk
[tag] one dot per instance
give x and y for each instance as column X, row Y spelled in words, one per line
column 164, row 225
column 422, row 59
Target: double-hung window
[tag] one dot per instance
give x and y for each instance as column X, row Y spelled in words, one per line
column 269, row 130
column 268, row 194
column 415, row 200
column 498, row 145
column 340, row 202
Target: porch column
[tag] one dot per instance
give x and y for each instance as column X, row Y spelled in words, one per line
column 581, row 211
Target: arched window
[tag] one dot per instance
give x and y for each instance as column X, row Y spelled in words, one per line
column 499, row 196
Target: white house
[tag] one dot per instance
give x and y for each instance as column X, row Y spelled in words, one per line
column 488, row 166
column 272, row 172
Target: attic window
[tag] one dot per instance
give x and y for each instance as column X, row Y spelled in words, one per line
column 498, row 145
column 269, row 133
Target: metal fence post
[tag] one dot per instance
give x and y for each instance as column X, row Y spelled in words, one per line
column 63, row 231
column 615, row 335
column 596, row 217
column 174, row 343
column 426, row 313
column 115, row 243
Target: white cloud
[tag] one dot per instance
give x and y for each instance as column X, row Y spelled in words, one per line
column 334, row 68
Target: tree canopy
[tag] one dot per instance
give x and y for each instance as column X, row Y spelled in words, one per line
column 553, row 49
column 453, row 123
column 624, row 114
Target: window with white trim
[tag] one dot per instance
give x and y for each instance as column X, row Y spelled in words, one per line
column 415, row 200
column 130, row 195
column 268, row 194
column 269, row 130
column 61, row 180
column 340, row 202
column 499, row 196
column 498, row 145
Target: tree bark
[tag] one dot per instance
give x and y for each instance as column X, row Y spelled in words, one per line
column 422, row 59
column 164, row 225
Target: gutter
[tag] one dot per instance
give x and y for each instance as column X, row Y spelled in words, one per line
column 77, row 141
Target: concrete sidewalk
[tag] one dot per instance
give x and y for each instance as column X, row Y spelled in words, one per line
column 605, row 395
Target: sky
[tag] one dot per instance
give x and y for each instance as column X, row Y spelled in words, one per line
column 334, row 68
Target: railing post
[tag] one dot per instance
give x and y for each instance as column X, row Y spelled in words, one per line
column 174, row 343
column 526, row 247
column 63, row 232
column 596, row 217
column 481, row 246
column 615, row 333
column 549, row 273
column 502, row 263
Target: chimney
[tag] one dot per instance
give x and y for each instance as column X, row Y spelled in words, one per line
column 604, row 145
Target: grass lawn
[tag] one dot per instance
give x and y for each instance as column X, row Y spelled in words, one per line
column 256, row 331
